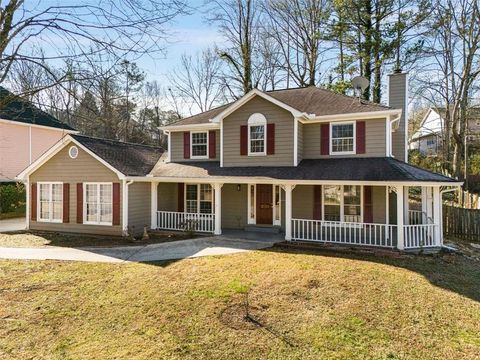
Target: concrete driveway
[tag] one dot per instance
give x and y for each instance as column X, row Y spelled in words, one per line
column 216, row 245
column 16, row 224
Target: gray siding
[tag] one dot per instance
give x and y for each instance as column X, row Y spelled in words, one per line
column 302, row 202
column 84, row 168
column 379, row 204
column 300, row 142
column 397, row 99
column 283, row 121
column 375, row 143
column 234, row 206
column 139, row 204
column 177, row 147
column 167, row 196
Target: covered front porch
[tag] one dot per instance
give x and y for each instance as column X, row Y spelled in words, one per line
column 351, row 213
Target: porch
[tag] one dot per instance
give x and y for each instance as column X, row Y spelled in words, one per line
column 351, row 214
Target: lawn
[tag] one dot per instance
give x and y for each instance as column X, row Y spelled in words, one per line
column 302, row 305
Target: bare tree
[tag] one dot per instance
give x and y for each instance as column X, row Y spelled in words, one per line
column 197, row 81
column 300, row 28
column 451, row 71
column 81, row 29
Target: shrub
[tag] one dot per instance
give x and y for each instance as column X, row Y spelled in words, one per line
column 12, row 198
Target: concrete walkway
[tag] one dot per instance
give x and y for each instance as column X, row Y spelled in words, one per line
column 16, row 224
column 217, row 245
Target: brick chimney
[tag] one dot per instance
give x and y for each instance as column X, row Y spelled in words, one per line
column 397, row 98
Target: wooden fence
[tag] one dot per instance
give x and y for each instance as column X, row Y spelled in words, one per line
column 461, row 223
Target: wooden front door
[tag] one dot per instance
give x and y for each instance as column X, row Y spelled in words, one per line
column 264, row 204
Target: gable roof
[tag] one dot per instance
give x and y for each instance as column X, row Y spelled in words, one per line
column 128, row 158
column 308, row 100
column 16, row 109
column 379, row 169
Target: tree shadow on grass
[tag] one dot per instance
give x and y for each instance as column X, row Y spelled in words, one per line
column 450, row 271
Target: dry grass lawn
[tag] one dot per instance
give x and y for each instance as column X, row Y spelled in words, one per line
column 302, row 305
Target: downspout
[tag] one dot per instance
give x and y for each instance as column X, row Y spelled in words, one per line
column 169, row 144
column 125, row 186
column 393, row 122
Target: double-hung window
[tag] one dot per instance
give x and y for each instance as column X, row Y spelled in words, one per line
column 98, row 203
column 342, row 203
column 257, row 134
column 199, row 198
column 50, row 202
column 199, row 145
column 342, row 139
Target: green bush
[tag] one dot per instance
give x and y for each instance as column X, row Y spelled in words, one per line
column 12, row 198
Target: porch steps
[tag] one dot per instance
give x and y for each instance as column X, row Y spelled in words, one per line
column 263, row 228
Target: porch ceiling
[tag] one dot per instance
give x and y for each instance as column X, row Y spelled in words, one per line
column 340, row 169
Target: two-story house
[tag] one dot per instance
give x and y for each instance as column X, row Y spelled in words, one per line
column 428, row 139
column 312, row 164
column 26, row 132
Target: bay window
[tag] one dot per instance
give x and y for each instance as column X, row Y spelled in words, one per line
column 342, row 203
column 342, row 139
column 199, row 198
column 50, row 202
column 98, row 207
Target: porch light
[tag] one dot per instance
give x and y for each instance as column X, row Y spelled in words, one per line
column 238, row 187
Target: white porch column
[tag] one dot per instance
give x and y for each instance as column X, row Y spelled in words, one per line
column 218, row 208
column 288, row 212
column 28, row 202
column 424, row 200
column 400, row 218
column 429, row 201
column 437, row 211
column 154, row 204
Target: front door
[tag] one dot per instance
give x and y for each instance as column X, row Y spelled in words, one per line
column 264, row 204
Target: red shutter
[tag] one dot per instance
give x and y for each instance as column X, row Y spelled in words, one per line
column 212, row 144
column 180, row 198
column 79, row 203
column 186, row 145
column 325, row 139
column 360, row 137
column 66, row 202
column 33, row 206
column 270, row 139
column 317, row 202
column 243, row 140
column 116, row 204
column 367, row 204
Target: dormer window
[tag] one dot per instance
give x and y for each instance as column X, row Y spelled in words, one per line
column 342, row 141
column 199, row 145
column 257, row 133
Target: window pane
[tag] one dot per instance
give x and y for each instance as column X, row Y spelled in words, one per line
column 205, row 207
column 44, row 192
column 352, row 194
column 342, row 138
column 252, row 201
column 57, row 208
column 191, row 192
column 332, row 194
column 191, row 206
column 257, row 139
column 106, row 213
column 206, row 192
column 199, row 144
column 44, row 210
column 332, row 212
column 91, row 212
column 105, row 193
column 91, row 196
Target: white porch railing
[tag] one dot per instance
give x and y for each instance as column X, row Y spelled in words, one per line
column 420, row 236
column 382, row 235
column 182, row 221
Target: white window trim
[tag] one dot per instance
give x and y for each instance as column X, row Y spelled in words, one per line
column 274, row 209
column 354, row 151
column 50, row 202
column 258, row 119
column 342, row 203
column 198, row 198
column 191, row 145
column 85, row 222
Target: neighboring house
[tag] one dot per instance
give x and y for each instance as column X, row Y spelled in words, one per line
column 307, row 162
column 428, row 138
column 26, row 132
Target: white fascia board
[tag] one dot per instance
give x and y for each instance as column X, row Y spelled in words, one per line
column 250, row 95
column 353, row 116
column 55, row 149
column 260, row 180
column 39, row 126
column 205, row 126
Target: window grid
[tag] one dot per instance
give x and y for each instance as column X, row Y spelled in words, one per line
column 199, row 143
column 98, row 203
column 342, row 138
column 257, row 139
column 50, row 202
column 342, row 202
